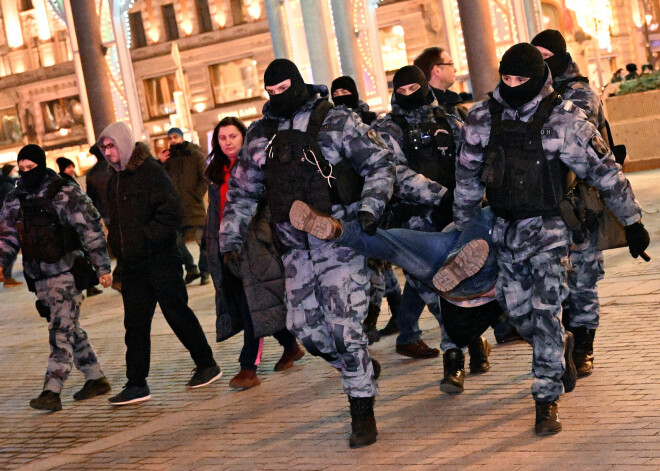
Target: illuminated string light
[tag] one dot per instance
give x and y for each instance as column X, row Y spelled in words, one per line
column 595, row 19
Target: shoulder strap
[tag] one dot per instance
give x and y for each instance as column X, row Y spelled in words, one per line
column 317, row 117
column 567, row 83
column 400, row 121
column 544, row 111
column 496, row 109
column 270, row 128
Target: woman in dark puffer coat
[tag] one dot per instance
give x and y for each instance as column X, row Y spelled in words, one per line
column 254, row 303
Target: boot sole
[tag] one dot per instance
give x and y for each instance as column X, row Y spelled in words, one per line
column 362, row 445
column 304, row 219
column 450, row 388
column 289, row 364
column 215, row 378
column 543, row 433
column 131, row 401
column 467, row 262
column 570, row 375
column 96, row 393
column 419, row 357
column 51, row 409
column 245, row 386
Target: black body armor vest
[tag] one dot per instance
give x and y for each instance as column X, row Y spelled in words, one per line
column 43, row 237
column 521, row 182
column 296, row 169
column 430, row 149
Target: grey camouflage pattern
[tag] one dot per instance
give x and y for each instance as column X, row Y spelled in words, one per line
column 581, row 95
column 586, row 270
column 326, row 315
column 69, row 344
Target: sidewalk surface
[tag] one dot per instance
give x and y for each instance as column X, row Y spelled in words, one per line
column 299, row 419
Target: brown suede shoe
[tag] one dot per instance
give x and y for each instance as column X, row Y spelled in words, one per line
column 11, row 282
column 467, row 262
column 245, row 379
column 418, row 349
column 288, row 357
column 307, row 219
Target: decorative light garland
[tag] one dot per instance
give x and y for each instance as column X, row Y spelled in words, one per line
column 595, row 19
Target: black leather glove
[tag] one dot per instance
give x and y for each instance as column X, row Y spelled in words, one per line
column 638, row 239
column 367, row 222
column 232, row 262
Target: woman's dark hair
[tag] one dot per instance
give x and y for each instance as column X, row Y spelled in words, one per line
column 219, row 161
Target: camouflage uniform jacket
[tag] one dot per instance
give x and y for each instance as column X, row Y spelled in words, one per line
column 410, row 185
column 74, row 208
column 582, row 95
column 568, row 136
column 342, row 136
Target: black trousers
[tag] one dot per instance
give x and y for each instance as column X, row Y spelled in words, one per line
column 159, row 281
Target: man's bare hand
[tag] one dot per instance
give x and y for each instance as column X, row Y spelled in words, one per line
column 105, row 280
column 2, row 275
column 163, row 155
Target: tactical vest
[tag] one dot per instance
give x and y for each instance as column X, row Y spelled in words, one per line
column 367, row 117
column 521, row 182
column 43, row 236
column 429, row 148
column 296, row 169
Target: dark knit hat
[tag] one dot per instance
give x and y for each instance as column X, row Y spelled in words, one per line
column 631, row 67
column 175, row 131
column 427, row 59
column 522, row 60
column 63, row 163
column 96, row 152
column 345, row 82
column 7, row 168
column 33, row 153
column 552, row 40
column 280, row 70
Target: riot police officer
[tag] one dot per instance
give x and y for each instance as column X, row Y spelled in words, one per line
column 59, row 232
column 519, row 147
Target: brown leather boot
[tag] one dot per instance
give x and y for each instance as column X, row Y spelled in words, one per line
column 307, row 219
column 547, row 419
column 453, row 362
column 288, row 357
column 479, row 351
column 418, row 349
column 363, row 422
column 245, row 379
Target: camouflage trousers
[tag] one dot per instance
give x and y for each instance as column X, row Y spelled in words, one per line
column 69, row 344
column 432, row 301
column 586, row 271
column 533, row 290
column 326, row 294
column 383, row 283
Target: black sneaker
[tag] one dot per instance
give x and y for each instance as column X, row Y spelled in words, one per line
column 47, row 400
column 204, row 376
column 131, row 395
column 93, row 388
column 192, row 275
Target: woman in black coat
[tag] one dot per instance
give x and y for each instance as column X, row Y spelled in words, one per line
column 254, row 303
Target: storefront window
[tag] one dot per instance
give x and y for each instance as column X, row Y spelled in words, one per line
column 235, row 80
column 393, row 47
column 160, row 95
column 10, row 130
column 62, row 113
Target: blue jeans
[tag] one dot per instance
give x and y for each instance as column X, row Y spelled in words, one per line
column 422, row 254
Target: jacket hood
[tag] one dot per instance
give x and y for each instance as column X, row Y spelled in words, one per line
column 140, row 155
column 528, row 108
column 316, row 93
column 124, row 140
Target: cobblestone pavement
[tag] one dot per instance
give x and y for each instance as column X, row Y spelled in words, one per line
column 299, row 419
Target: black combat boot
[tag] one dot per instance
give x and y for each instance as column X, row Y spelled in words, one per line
column 479, row 350
column 583, row 353
column 369, row 323
column 547, row 419
column 47, row 400
column 394, row 302
column 453, row 362
column 363, row 422
column 570, row 374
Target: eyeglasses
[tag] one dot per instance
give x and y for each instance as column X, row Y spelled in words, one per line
column 451, row 64
column 109, row 146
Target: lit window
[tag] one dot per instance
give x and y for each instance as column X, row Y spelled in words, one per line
column 160, row 95
column 62, row 113
column 235, row 80
column 10, row 127
column 393, row 47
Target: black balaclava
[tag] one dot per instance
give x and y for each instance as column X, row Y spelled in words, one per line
column 522, row 60
column 285, row 104
column 553, row 41
column 405, row 76
column 32, row 179
column 347, row 83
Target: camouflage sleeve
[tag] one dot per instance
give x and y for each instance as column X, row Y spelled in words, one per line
column 586, row 99
column 246, row 189
column 76, row 209
column 410, row 185
column 372, row 159
column 587, row 155
column 469, row 192
column 9, row 243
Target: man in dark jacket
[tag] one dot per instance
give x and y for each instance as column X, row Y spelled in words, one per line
column 185, row 164
column 145, row 213
column 7, row 184
column 67, row 170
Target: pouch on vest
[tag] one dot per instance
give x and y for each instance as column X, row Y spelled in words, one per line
column 493, row 174
column 596, row 216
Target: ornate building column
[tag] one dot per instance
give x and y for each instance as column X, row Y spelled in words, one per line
column 316, row 34
column 276, row 27
column 347, row 42
column 479, row 46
